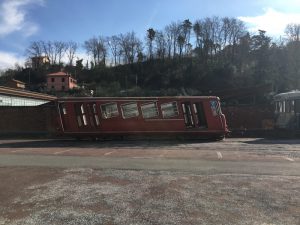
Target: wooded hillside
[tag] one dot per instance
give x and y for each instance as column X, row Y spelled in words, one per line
column 204, row 57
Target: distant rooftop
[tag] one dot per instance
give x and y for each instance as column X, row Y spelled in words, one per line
column 26, row 94
column 21, row 82
column 59, row 74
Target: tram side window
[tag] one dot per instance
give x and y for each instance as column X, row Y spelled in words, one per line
column 90, row 113
column 187, row 114
column 289, row 106
column 276, row 107
column 149, row 110
column 215, row 107
column 169, row 109
column 96, row 114
column 200, row 114
column 130, row 110
column 78, row 115
column 280, row 107
column 297, row 106
column 63, row 108
column 83, row 115
column 109, row 110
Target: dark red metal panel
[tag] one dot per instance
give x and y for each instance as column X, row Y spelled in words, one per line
column 81, row 117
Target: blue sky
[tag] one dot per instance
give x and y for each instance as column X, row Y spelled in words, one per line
column 23, row 21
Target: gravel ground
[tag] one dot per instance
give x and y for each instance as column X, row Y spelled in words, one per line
column 89, row 196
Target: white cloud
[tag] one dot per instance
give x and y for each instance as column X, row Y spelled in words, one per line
column 8, row 60
column 13, row 17
column 287, row 5
column 272, row 21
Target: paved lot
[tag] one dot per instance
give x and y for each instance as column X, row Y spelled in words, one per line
column 236, row 181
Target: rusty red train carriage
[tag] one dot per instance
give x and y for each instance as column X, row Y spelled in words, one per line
column 180, row 116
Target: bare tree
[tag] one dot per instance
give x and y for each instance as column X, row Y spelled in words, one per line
column 186, row 33
column 215, row 34
column 181, row 42
column 174, row 30
column 211, row 35
column 59, row 50
column 292, row 30
column 130, row 46
column 48, row 49
column 96, row 47
column 71, row 48
column 150, row 38
column 198, row 33
column 169, row 40
column 161, row 44
column 35, row 49
column 114, row 45
column 237, row 30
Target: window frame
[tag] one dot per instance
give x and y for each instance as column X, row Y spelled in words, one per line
column 102, row 110
column 148, row 103
column 83, row 110
column 177, row 110
column 129, row 103
column 95, row 112
column 216, row 110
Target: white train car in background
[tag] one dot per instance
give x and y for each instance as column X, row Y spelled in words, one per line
column 287, row 110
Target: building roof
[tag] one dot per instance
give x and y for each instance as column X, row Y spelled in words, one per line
column 17, row 81
column 59, row 74
column 39, row 57
column 26, row 94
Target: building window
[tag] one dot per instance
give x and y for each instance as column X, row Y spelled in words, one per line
column 52, row 79
column 96, row 114
column 109, row 110
column 52, row 87
column 64, row 110
column 215, row 108
column 169, row 109
column 149, row 110
column 130, row 110
column 83, row 115
column 63, row 87
column 63, row 79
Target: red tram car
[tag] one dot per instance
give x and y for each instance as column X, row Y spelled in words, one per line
column 188, row 117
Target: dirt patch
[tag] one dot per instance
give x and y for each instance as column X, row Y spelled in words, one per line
column 110, row 197
column 19, row 179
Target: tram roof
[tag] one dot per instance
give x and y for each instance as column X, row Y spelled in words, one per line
column 287, row 95
column 61, row 99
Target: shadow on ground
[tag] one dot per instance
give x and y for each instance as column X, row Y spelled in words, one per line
column 273, row 141
column 94, row 144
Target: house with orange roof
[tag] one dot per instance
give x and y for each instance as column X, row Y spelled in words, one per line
column 60, row 81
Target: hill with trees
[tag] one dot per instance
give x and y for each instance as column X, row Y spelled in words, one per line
column 204, row 57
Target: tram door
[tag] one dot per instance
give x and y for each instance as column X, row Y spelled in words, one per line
column 201, row 121
column 297, row 113
column 87, row 116
column 63, row 114
column 93, row 115
column 188, row 115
